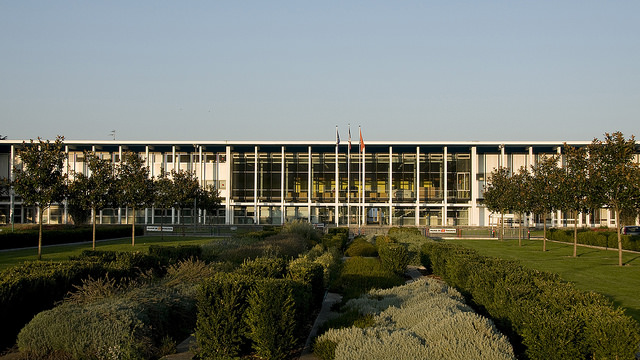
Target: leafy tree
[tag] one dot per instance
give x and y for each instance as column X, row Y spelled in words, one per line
column 520, row 184
column 163, row 191
column 615, row 177
column 208, row 199
column 96, row 190
column 185, row 191
column 134, row 188
column 41, row 180
column 498, row 194
column 575, row 187
column 544, row 182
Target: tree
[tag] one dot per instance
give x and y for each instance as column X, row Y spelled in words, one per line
column 96, row 190
column 185, row 191
column 520, row 185
column 497, row 195
column 163, row 192
column 544, row 182
column 615, row 177
column 41, row 181
column 133, row 186
column 208, row 199
column 575, row 187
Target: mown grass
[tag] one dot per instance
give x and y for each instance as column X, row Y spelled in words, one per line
column 592, row 270
column 63, row 252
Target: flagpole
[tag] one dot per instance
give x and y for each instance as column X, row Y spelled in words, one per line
column 359, row 180
column 337, row 181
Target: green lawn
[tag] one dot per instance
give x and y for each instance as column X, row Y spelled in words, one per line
column 593, row 269
column 63, row 252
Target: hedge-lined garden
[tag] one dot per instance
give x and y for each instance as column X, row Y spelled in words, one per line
column 27, row 236
column 545, row 317
column 138, row 306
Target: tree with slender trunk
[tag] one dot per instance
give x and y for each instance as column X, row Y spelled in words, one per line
column 39, row 177
column 615, row 177
column 95, row 190
column 163, row 196
column 544, row 183
column 134, row 187
column 575, row 187
column 209, row 199
column 185, row 191
column 498, row 194
column 520, row 184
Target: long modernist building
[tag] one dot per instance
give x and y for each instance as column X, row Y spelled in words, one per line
column 388, row 183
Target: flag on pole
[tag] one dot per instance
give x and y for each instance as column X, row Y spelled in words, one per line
column 361, row 142
column 349, row 137
column 337, row 136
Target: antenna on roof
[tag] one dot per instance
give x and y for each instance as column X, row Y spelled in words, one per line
column 113, row 133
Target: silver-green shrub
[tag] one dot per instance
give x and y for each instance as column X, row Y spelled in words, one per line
column 424, row 319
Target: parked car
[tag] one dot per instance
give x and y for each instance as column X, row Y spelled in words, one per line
column 631, row 230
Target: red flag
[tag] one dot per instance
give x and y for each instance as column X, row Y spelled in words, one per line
column 349, row 138
column 361, row 142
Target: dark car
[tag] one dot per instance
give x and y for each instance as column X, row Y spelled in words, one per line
column 631, row 230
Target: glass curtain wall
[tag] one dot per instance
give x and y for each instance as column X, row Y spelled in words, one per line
column 404, row 178
column 458, row 177
column 269, row 176
column 377, row 177
column 296, row 180
column 431, row 178
column 324, row 177
column 243, row 177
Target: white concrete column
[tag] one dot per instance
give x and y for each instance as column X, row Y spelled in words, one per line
column 309, row 187
column 336, row 190
column 417, row 187
column 12, row 203
column 474, row 217
column 282, row 209
column 228, row 212
column 390, row 186
column 445, row 186
column 256, row 215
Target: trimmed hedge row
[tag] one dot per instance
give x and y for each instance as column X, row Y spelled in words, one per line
column 361, row 247
column 34, row 286
column 63, row 235
column 543, row 316
column 606, row 239
column 336, row 237
column 237, row 311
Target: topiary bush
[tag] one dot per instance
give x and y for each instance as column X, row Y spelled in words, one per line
column 359, row 275
column 271, row 318
column 308, row 272
column 221, row 331
column 394, row 257
column 361, row 247
column 264, row 267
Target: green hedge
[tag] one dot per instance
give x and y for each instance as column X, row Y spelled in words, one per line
column 395, row 231
column 543, row 316
column 63, row 234
column 359, row 275
column 394, row 257
column 309, row 272
column 336, row 237
column 236, row 310
column 361, row 247
column 173, row 254
column 34, row 286
column 136, row 324
column 606, row 239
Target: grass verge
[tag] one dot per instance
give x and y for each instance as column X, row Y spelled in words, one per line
column 63, row 252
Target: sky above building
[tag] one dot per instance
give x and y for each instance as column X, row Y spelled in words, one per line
column 293, row 70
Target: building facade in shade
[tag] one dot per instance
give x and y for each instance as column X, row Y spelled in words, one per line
column 391, row 183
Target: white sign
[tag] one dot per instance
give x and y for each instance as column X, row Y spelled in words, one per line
column 443, row 231
column 160, row 228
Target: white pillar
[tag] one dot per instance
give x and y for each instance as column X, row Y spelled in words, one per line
column 417, row 188
column 282, row 209
column 227, row 205
column 473, row 191
column 337, row 188
column 445, row 186
column 390, row 190
column 256, row 216
column 309, row 188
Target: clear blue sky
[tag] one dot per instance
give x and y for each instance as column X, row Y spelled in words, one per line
column 292, row 70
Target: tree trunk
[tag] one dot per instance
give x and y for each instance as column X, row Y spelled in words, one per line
column 94, row 227
column 501, row 226
column 40, row 211
column 619, row 228
column 575, row 234
column 544, row 232
column 519, row 229
column 133, row 228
